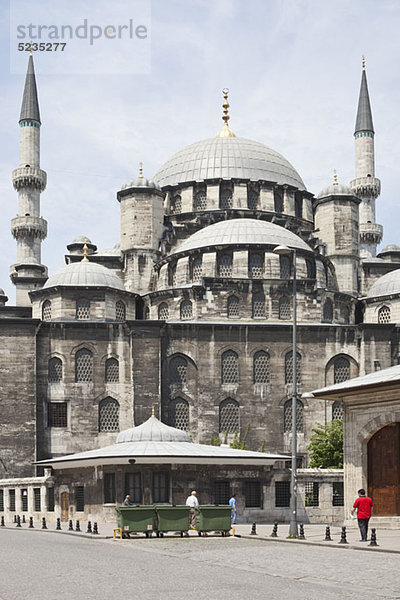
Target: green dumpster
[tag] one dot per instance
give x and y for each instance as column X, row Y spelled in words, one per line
column 213, row 518
column 172, row 518
column 135, row 519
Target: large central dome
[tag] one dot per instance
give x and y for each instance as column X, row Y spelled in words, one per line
column 228, row 158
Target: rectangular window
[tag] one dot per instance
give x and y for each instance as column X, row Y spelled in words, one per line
column 253, row 494
column 311, row 493
column 133, row 487
column 160, row 487
column 222, row 492
column 11, row 499
column 57, row 414
column 24, row 499
column 36, row 499
column 80, row 498
column 109, row 488
column 50, row 499
column 337, row 493
column 282, row 494
column 1, row 500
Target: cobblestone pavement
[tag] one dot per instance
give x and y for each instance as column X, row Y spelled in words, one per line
column 37, row 566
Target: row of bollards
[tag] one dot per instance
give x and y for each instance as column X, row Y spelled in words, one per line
column 18, row 523
column 327, row 538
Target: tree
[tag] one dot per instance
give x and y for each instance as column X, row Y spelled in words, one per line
column 326, row 446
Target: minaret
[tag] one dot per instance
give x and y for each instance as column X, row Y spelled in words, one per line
column 29, row 228
column 366, row 186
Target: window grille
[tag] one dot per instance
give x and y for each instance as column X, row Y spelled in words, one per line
column 179, row 414
column 298, row 205
column 261, row 367
column 133, row 487
column 112, row 370
column 311, row 493
column 24, row 499
column 310, row 266
column 327, row 313
column 82, row 309
column 258, row 306
column 278, row 201
column 163, row 311
column 226, row 199
column 222, row 492
column 384, row 314
column 256, row 270
column 229, row 416
column 109, row 488
column 178, row 371
column 200, row 200
column 50, row 499
column 337, row 493
column 11, row 499
column 230, row 367
column 57, row 414
column 289, row 367
column 46, row 311
column 337, row 411
column 282, row 494
column 284, row 308
column 252, row 199
column 287, row 416
column 160, row 487
column 252, row 494
column 176, row 204
column 55, row 370
column 197, row 269
column 120, row 311
column 233, row 307
column 172, row 274
column 186, row 310
column 225, row 266
column 341, row 370
column 80, row 498
column 284, row 267
column 37, row 500
column 2, row 500
column 108, row 415
column 83, row 366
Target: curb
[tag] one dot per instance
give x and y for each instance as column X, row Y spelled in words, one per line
column 87, row 536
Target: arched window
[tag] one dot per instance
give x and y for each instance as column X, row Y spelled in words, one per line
column 284, row 308
column 258, row 306
column 112, row 370
column 230, row 367
column 178, row 371
column 261, row 367
column 384, row 314
column 120, row 311
column 163, row 311
column 284, row 267
column 108, row 415
column 310, row 266
column 337, row 411
column 256, row 267
column 179, row 414
column 83, row 365
column 200, row 200
column 176, row 204
column 225, row 265
column 298, row 205
column 252, row 199
column 233, row 307
column 172, row 274
column 327, row 312
column 341, row 370
column 55, row 370
column 46, row 310
column 289, row 367
column 82, row 309
column 278, row 201
column 229, row 416
column 197, row 269
column 225, row 201
column 287, row 416
column 186, row 310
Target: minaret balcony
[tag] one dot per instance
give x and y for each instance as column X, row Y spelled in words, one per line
column 35, row 227
column 366, row 187
column 371, row 233
column 32, row 177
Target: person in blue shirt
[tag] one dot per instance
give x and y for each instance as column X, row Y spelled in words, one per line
column 232, row 503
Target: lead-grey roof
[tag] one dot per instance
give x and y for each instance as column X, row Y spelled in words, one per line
column 87, row 274
column 153, row 430
column 336, row 189
column 364, row 113
column 228, row 158
column 375, row 378
column 30, row 103
column 386, row 285
column 242, row 232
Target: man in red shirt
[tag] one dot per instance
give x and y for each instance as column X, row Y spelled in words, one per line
column 363, row 505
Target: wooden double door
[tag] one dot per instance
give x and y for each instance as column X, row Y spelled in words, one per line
column 384, row 470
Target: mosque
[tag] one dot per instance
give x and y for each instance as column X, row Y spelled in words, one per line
column 134, row 368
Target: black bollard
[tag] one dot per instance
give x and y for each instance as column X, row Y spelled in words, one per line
column 58, row 526
column 44, row 526
column 95, row 530
column 343, row 539
column 18, row 521
column 2, row 524
column 328, row 534
column 30, row 522
column 23, row 519
column 275, row 530
column 301, row 533
column 253, row 529
column 373, row 538
column 70, row 526
column 89, row 527
column 77, row 526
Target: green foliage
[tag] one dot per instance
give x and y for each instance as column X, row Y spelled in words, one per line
column 326, row 446
column 215, row 441
column 262, row 448
column 238, row 442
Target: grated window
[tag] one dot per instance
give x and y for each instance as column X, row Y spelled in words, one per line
column 226, row 199
column 289, row 367
column 337, row 493
column 282, row 494
column 230, row 367
column 55, row 370
column 261, row 367
column 341, row 370
column 112, row 370
column 50, row 499
column 176, row 204
column 337, row 411
column 256, row 269
column 287, row 416
column 310, row 266
column 37, row 500
column 278, row 201
column 178, row 371
column 225, row 265
column 284, row 308
column 82, row 309
column 133, row 487
column 229, row 416
column 384, row 314
column 252, row 199
column 57, row 414
column 222, row 491
column 311, row 493
column 1, row 500
column 80, row 498
column 258, row 306
column 298, row 205
column 46, row 311
column 120, row 311
column 197, row 269
column 284, row 267
column 327, row 313
column 160, row 487
column 109, row 488
column 163, row 311
column 24, row 499
column 11, row 499
column 172, row 274
column 179, row 414
column 252, row 494
column 233, row 307
column 109, row 415
column 200, row 200
column 83, row 365
column 186, row 310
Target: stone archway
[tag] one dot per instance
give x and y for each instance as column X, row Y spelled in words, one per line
column 383, row 452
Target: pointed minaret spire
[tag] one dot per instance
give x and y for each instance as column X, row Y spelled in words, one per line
column 364, row 113
column 30, row 103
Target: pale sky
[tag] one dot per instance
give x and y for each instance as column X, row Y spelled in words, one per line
column 293, row 68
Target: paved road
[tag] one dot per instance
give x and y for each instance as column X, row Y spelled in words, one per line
column 38, row 565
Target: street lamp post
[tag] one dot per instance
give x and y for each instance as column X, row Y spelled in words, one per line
column 293, row 531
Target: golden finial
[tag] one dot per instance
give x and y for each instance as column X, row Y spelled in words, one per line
column 140, row 170
column 363, row 62
column 153, row 413
column 335, row 181
column 85, row 258
column 225, row 131
column 31, row 48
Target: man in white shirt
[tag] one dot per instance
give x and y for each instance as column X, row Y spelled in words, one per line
column 192, row 502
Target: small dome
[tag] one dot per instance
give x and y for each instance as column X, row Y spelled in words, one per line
column 81, row 239
column 140, row 182
column 386, row 285
column 336, row 189
column 390, row 248
column 242, row 232
column 85, row 274
column 153, row 430
column 114, row 251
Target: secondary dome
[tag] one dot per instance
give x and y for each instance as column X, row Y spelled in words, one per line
column 386, row 285
column 242, row 232
column 85, row 274
column 336, row 189
column 228, row 158
column 153, row 430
